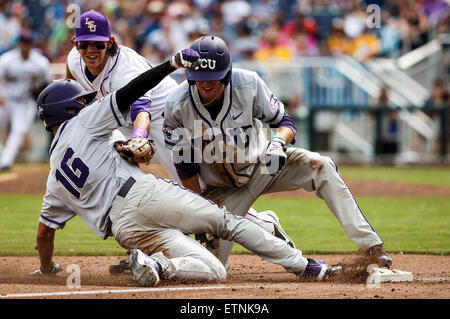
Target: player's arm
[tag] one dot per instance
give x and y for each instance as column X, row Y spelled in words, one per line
column 44, row 245
column 271, row 110
column 140, row 115
column 286, row 133
column 137, row 87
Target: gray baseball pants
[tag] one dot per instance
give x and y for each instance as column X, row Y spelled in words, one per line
column 158, row 215
column 310, row 171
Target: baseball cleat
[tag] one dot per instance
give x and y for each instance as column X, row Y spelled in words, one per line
column 143, row 268
column 119, row 268
column 316, row 269
column 278, row 231
column 383, row 259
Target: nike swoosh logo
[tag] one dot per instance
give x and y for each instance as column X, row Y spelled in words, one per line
column 235, row 117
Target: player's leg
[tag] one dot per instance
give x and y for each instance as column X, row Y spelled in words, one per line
column 179, row 256
column 314, row 172
column 22, row 116
column 239, row 201
column 166, row 205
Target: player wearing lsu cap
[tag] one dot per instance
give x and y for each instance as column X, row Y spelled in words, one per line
column 23, row 72
column 98, row 63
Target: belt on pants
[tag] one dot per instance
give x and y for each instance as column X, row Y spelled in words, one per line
column 123, row 191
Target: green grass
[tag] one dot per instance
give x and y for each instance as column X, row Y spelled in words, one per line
column 19, row 221
column 409, row 225
column 426, row 175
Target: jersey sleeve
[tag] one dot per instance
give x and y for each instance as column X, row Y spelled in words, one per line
column 267, row 107
column 130, row 66
column 178, row 140
column 54, row 213
column 172, row 128
column 103, row 116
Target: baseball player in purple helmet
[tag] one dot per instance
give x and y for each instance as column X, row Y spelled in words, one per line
column 228, row 107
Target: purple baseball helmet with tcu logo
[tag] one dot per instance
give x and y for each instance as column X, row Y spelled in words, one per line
column 56, row 99
column 92, row 26
column 215, row 60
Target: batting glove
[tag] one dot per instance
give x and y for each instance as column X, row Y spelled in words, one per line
column 186, row 58
column 275, row 155
column 56, row 268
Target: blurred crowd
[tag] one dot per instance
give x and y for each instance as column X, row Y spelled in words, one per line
column 254, row 29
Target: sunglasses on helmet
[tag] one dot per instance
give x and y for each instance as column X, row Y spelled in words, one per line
column 84, row 45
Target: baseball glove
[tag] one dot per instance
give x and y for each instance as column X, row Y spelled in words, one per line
column 136, row 150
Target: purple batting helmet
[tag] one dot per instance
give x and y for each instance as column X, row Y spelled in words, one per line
column 92, row 26
column 215, row 60
column 55, row 100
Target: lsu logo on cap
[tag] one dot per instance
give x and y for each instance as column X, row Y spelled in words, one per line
column 92, row 27
column 206, row 64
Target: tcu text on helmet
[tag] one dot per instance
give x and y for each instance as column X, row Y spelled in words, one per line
column 206, row 64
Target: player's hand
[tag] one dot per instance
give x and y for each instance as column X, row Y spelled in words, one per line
column 2, row 101
column 275, row 155
column 186, row 58
column 55, row 269
column 207, row 240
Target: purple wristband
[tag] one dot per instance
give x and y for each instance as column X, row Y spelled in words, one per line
column 140, row 132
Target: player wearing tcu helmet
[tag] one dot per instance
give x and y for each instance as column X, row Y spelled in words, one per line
column 99, row 63
column 217, row 117
column 145, row 214
column 24, row 71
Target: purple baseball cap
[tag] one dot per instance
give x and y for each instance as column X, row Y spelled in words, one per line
column 92, row 26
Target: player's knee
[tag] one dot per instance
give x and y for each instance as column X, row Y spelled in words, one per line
column 320, row 163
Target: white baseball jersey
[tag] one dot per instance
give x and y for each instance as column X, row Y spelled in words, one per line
column 118, row 71
column 82, row 182
column 248, row 103
column 19, row 75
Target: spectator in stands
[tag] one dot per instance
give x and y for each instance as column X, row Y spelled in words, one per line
column 389, row 134
column 10, row 24
column 235, row 12
column 271, row 48
column 338, row 42
column 439, row 94
column 436, row 11
column 389, row 35
column 366, row 46
column 245, row 44
column 414, row 27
